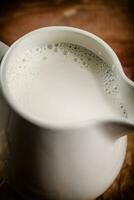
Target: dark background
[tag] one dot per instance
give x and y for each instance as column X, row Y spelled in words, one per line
column 112, row 20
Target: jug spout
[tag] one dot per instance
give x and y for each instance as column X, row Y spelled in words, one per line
column 117, row 129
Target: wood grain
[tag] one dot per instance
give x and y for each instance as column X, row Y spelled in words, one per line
column 112, row 21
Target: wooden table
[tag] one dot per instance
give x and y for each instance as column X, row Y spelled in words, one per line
column 112, row 21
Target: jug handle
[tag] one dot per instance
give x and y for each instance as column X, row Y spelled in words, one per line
column 4, row 116
column 3, row 49
column 4, row 108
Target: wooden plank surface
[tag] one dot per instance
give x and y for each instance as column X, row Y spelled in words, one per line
column 112, row 21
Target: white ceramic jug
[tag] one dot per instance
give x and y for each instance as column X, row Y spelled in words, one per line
column 79, row 161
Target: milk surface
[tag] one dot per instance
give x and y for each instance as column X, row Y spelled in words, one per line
column 64, row 83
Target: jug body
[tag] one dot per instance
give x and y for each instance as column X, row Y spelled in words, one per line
column 70, row 164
